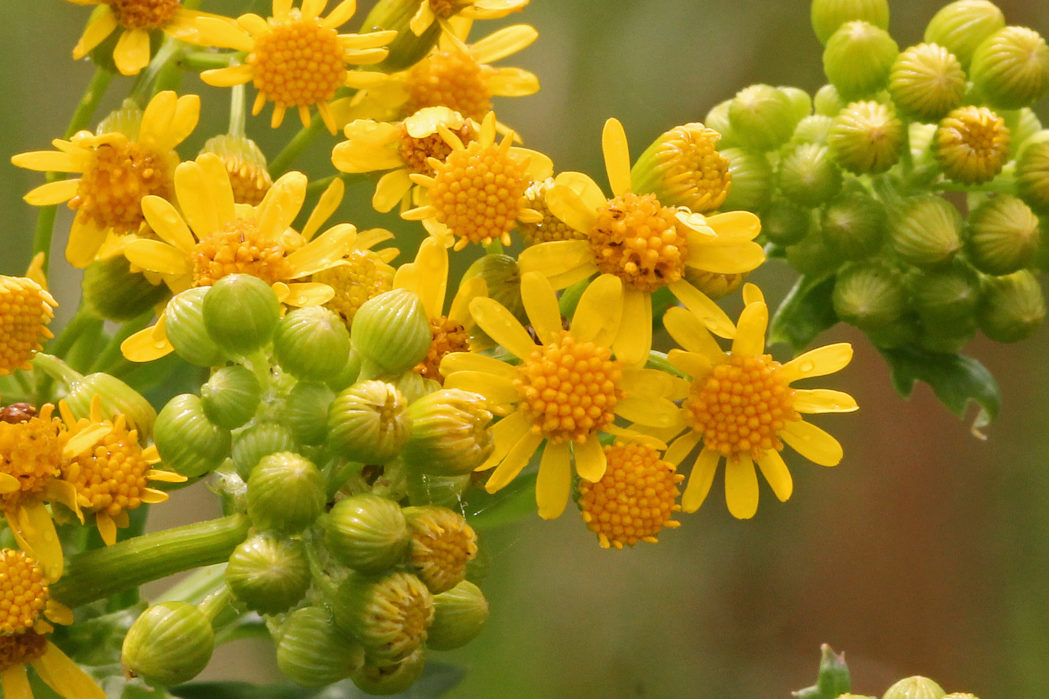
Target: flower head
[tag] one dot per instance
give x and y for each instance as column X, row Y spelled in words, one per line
column 431, row 11
column 971, row 144
column 246, row 165
column 683, row 168
column 26, row 308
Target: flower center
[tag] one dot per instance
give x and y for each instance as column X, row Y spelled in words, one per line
column 415, row 151
column 693, row 172
column 23, row 592
column 449, row 79
column 250, row 182
column 637, row 239
column 238, row 249
column 635, row 498
column 31, row 451
column 442, row 544
column 112, row 186
column 144, row 14
column 448, row 336
column 551, row 227
column 21, row 648
column 972, row 144
column 112, row 475
column 363, row 276
column 569, row 389
column 741, row 406
column 401, row 609
column 25, row 311
column 298, row 62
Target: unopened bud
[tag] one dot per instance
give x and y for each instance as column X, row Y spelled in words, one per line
column 231, row 396
column 717, row 119
column 391, row 331
column 1010, row 68
column 269, row 575
column 971, row 144
column 257, row 441
column 762, row 117
column 369, row 422
column 961, row 26
column 246, row 165
column 683, row 168
column 458, row 616
column 828, row 15
column 946, row 297
column 785, row 223
column 449, row 433
column 827, row 101
column 240, row 313
column 1032, row 173
column 285, row 493
column 376, row 677
column 311, row 343
column 1012, row 307
column 854, row 225
column 814, row 128
column 858, row 58
column 926, row 231
column 1003, row 235
column 188, row 442
column 926, row 82
column 306, row 411
column 367, row 532
column 116, row 293
column 185, row 329
column 388, row 615
column 442, row 546
column 169, row 643
column 869, row 295
column 809, row 175
column 751, row 180
column 916, row 687
column 312, row 652
column 867, row 137
column 117, row 398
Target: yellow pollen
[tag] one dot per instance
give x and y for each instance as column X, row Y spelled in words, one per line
column 448, row 336
column 363, row 276
column 639, row 240
column 478, row 193
column 113, row 185
column 569, row 389
column 442, row 544
column 23, row 592
column 415, row 151
column 239, row 249
column 693, row 173
column 25, row 311
column 21, row 648
column 297, row 62
column 250, row 182
column 112, row 475
column 972, row 144
column 634, row 500
column 31, row 451
column 144, row 14
column 551, row 227
column 741, row 407
column 449, row 79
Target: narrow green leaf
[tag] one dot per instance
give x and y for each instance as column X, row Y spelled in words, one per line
column 805, row 312
column 511, row 504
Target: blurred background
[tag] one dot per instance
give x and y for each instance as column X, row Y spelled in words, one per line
column 925, row 552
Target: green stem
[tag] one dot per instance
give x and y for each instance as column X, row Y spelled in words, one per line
column 658, row 360
column 195, row 586
column 99, row 573
column 237, row 111
column 199, row 61
column 317, row 186
column 282, row 163
column 111, row 353
column 83, row 320
column 216, row 600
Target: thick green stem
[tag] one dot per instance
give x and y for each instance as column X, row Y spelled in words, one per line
column 99, row 573
column 199, row 61
column 280, row 164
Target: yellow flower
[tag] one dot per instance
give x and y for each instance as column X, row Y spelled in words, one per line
column 363, row 274
column 25, row 610
column 118, row 168
column 684, row 168
column 549, row 397
column 550, row 227
column 477, row 193
column 971, row 144
column 431, row 11
column 646, row 244
column 743, row 409
column 26, row 308
column 296, row 58
column 246, row 165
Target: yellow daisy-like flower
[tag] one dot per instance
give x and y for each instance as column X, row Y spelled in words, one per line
column 117, row 169
column 26, row 610
column 566, row 391
column 684, row 168
column 402, row 148
column 743, row 409
column 246, row 165
column 431, row 11
column 646, row 244
column 477, row 194
column 26, row 308
column 296, row 58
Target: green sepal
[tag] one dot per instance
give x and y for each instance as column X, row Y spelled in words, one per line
column 832, row 679
column 805, row 312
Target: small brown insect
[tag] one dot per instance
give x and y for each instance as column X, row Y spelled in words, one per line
column 17, row 412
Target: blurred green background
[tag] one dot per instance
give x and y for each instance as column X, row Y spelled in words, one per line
column 926, row 551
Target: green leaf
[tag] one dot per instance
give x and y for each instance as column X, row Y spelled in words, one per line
column 240, row 690
column 511, row 504
column 805, row 312
column 832, row 679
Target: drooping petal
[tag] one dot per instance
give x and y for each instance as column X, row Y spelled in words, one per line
column 96, row 31
column 777, row 474
column 735, row 225
column 497, row 390
column 750, row 331
column 502, row 43
column 469, row 361
column 147, row 344
column 818, row 362
column 505, row 434
column 300, row 294
column 177, row 127
column 166, row 222
column 15, row 682
column 502, row 327
column 431, row 264
column 85, row 238
column 515, row 460
column 812, row 442
column 590, row 460
column 512, row 82
column 390, row 190
column 823, row 400
column 228, row 77
column 540, row 303
column 617, row 156
column 107, row 528
column 340, row 14
column 752, row 294
column 369, row 146
column 554, row 482
column 325, row 207
column 700, row 479
column 470, row 289
column 725, row 259
column 690, row 332
column 599, row 311
column 634, row 339
column 741, row 487
column 694, row 364
column 64, row 676
column 716, row 320
column 573, row 201
column 131, row 53
column 681, row 447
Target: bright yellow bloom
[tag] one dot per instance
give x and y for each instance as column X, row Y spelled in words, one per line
column 646, row 244
column 550, row 227
column 684, row 168
column 363, row 274
column 566, row 391
column 477, row 194
column 296, row 58
column 743, row 409
column 117, row 168
column 431, row 11
column 26, row 308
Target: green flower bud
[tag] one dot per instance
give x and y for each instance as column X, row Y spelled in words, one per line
column 916, row 687
column 116, row 293
column 240, row 313
column 503, row 279
column 1023, row 125
column 869, row 295
column 971, row 144
column 117, row 398
column 867, row 137
column 395, row 678
column 267, row 574
column 1032, row 174
column 762, row 117
column 683, row 168
column 169, row 643
column 285, row 493
column 854, row 225
column 369, row 422
column 814, row 128
column 458, row 616
column 926, row 231
column 751, row 180
column 311, row 343
column 809, row 175
column 387, row 615
column 858, row 58
column 188, row 442
column 346, row 376
column 312, row 652
column 391, row 331
column 184, row 326
column 926, row 82
column 1010, row 68
column 407, row 48
column 717, row 119
column 442, row 545
column 449, row 433
column 447, row 491
column 1003, row 235
column 257, row 441
column 306, row 412
column 713, row 284
column 829, row 15
column 367, row 533
column 961, row 26
column 413, row 385
column 785, row 223
column 231, row 396
column 800, row 99
column 812, row 255
column 1012, row 307
column 946, row 297
column 827, row 101
column 901, row 332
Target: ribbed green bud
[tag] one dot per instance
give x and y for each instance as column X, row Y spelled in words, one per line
column 437, row 490
column 312, row 652
column 961, row 26
column 971, row 144
column 916, row 687
column 946, row 297
column 369, row 422
column 717, row 119
column 449, row 433
column 762, row 117
column 1003, row 235
column 257, row 441
column 829, row 15
column 442, row 546
column 785, row 223
column 169, row 643
column 285, row 493
column 827, row 101
column 407, row 48
column 503, row 279
column 869, row 295
column 185, row 329
column 1032, row 173
column 458, row 616
column 188, row 442
column 114, row 292
column 926, row 82
column 116, row 397
column 800, row 99
column 246, row 164
column 414, row 385
column 306, row 412
column 395, row 678
column 812, row 256
column 126, row 120
column 1024, row 125
column 867, row 137
column 814, row 128
column 1010, row 68
column 926, row 231
column 714, row 284
column 367, row 533
column 240, row 313
column 858, row 58
column 311, row 343
column 388, row 615
column 1012, row 307
column 751, row 180
column 269, row 575
column 809, row 175
column 347, row 375
column 854, row 225
column 391, row 331
column 960, row 695
column 231, row 396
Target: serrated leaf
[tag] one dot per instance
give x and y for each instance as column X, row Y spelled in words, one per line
column 805, row 312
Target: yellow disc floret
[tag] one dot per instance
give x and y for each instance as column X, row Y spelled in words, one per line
column 569, row 389
column 239, row 249
column 144, row 14
column 297, row 62
column 25, row 311
column 21, row 648
column 363, row 276
column 638, row 239
column 23, row 592
column 31, row 451
column 634, row 500
column 249, row 181
column 111, row 477
column 442, row 544
column 972, row 144
column 551, row 227
column 415, row 151
column 741, row 406
column 120, row 174
column 449, row 79
column 683, row 167
column 448, row 336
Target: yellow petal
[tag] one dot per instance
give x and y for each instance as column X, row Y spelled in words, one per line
column 557, row 257
column 617, row 156
column 515, row 460
column 131, row 53
column 502, row 327
column 51, row 161
column 681, row 447
column 228, row 77
column 590, row 460
column 812, row 442
column 554, row 482
column 107, row 528
column 222, row 33
column 736, row 258
column 470, row 289
column 152, row 496
column 690, row 332
column 282, row 204
column 195, row 199
column 599, row 311
column 540, row 303
column 777, row 474
column 157, row 256
column 15, row 682
column 96, row 31
column 752, row 294
column 145, row 346
column 634, row 339
column 512, row 82
column 645, row 411
column 823, row 400
column 390, row 190
column 422, row 19
column 340, row 14
column 325, row 207
column 496, row 389
column 9, row 484
column 300, row 294
column 165, row 476
column 741, row 487
column 32, row 527
column 695, row 364
column 52, row 193
column 505, row 434
column 651, row 384
column 85, row 238
column 716, row 320
column 539, row 165
column 818, row 362
column 587, row 190
column 173, row 128
column 468, row 361
column 431, row 265
column 750, row 332
column 502, row 43
column 368, row 40
column 323, row 251
column 635, row 436
column 64, row 676
column 700, row 479
column 166, row 222
column 736, row 225
column 573, row 201
column 370, row 145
